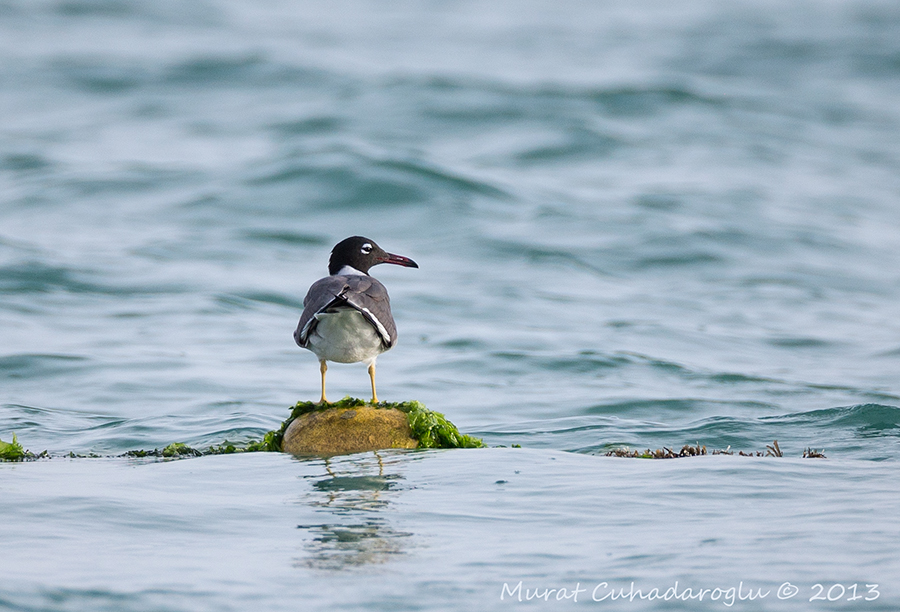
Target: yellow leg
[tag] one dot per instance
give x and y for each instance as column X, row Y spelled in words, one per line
column 372, row 377
column 323, row 368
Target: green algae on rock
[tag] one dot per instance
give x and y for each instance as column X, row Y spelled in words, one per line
column 337, row 431
column 425, row 428
column 347, row 426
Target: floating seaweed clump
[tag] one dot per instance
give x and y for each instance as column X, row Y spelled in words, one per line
column 13, row 451
column 772, row 450
column 660, row 453
column 177, row 450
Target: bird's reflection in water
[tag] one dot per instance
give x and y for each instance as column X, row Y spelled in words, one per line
column 354, row 494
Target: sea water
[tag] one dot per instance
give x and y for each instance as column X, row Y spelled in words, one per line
column 639, row 225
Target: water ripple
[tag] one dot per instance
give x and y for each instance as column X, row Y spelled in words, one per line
column 36, row 366
column 35, row 277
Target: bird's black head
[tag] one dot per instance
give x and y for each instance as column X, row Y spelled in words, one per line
column 361, row 254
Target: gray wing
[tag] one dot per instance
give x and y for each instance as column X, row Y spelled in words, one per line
column 362, row 293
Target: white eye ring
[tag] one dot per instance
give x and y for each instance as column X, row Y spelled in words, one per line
column 366, row 249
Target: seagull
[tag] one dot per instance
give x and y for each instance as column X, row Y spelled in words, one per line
column 347, row 315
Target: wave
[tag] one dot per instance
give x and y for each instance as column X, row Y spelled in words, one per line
column 34, row 365
column 866, row 419
column 846, row 432
column 30, row 277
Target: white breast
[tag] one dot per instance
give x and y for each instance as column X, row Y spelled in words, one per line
column 345, row 337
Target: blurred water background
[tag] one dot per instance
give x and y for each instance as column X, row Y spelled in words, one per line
column 639, row 224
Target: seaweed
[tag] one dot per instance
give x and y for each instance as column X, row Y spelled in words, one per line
column 139, row 454
column 772, row 450
column 253, row 446
column 660, row 453
column 175, row 450
column 179, row 449
column 11, row 451
column 431, row 429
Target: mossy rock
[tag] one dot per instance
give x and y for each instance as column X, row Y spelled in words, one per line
column 327, row 430
column 338, row 431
